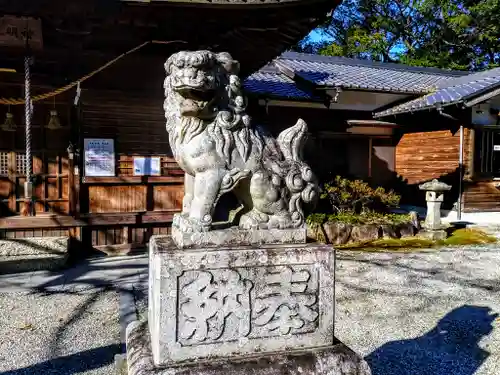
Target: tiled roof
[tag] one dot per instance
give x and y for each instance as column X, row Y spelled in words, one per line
column 272, row 83
column 364, row 74
column 346, row 73
column 458, row 90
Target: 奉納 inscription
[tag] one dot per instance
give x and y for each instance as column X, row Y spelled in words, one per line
column 286, row 304
column 221, row 305
column 214, row 305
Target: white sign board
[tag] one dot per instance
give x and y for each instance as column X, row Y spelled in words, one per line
column 496, row 147
column 146, row 166
column 99, row 157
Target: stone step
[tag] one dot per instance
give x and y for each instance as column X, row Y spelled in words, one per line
column 33, row 254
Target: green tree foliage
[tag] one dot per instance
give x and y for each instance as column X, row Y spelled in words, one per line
column 454, row 34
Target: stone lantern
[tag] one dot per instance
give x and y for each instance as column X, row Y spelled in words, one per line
column 434, row 194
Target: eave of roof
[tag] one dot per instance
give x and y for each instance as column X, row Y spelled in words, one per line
column 356, row 74
column 465, row 91
column 290, row 73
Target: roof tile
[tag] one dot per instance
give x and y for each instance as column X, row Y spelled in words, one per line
column 328, row 71
column 453, row 91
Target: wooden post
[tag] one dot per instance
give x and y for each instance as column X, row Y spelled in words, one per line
column 71, row 181
column 471, row 153
column 370, row 151
column 12, row 180
column 460, row 172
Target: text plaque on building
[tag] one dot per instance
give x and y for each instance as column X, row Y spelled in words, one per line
column 99, row 157
column 147, row 166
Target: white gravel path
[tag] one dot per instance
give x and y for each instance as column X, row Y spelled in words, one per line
column 59, row 333
column 424, row 313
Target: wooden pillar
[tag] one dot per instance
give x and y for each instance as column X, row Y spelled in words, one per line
column 470, row 153
column 72, row 195
column 370, row 154
column 12, row 180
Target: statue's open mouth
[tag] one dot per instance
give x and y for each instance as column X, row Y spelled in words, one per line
column 196, row 94
column 196, row 99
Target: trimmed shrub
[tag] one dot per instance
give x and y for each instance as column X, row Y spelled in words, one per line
column 356, row 196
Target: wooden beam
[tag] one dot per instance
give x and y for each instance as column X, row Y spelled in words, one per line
column 128, row 218
column 85, row 220
column 42, row 221
column 134, row 180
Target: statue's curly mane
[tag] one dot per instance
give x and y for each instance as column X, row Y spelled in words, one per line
column 224, row 118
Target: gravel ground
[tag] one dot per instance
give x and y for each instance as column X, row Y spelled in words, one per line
column 59, row 333
column 426, row 313
column 422, row 313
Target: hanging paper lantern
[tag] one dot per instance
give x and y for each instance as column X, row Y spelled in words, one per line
column 9, row 125
column 54, row 122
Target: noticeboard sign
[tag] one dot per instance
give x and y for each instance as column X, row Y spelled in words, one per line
column 13, row 32
column 99, row 157
column 147, row 166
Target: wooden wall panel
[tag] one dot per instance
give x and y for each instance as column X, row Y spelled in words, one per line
column 135, row 198
column 167, row 197
column 424, row 156
column 136, row 121
column 121, row 198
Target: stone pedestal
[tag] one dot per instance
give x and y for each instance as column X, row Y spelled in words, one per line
column 240, row 310
column 336, row 359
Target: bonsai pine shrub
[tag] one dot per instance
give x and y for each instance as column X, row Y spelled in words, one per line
column 356, row 197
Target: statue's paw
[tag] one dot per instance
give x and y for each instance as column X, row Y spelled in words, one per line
column 254, row 220
column 188, row 224
column 280, row 222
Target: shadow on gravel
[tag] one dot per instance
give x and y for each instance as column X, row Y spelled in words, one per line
column 73, row 363
column 449, row 348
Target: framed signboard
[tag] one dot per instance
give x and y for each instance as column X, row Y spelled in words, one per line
column 99, row 154
column 13, row 31
column 146, row 166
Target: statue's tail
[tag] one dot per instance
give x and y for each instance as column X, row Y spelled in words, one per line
column 300, row 179
column 292, row 140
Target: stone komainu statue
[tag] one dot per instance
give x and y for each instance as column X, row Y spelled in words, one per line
column 214, row 142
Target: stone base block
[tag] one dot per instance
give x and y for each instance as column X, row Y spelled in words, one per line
column 216, row 303
column 237, row 236
column 33, row 254
column 433, row 235
column 336, row 359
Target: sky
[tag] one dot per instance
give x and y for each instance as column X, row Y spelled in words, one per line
column 317, row 36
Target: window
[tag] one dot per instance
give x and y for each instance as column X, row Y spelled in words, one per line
column 21, row 163
column 4, row 163
column 487, row 147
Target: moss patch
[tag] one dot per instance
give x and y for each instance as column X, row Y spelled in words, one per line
column 459, row 237
column 389, row 243
column 469, row 237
